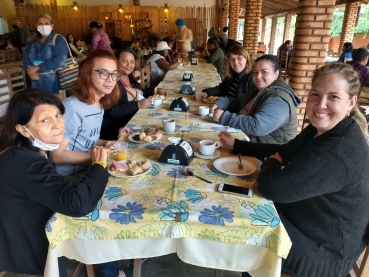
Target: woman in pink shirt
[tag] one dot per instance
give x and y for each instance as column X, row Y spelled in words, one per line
column 100, row 38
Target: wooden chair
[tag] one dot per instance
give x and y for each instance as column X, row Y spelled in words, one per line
column 283, row 61
column 361, row 267
column 145, row 73
column 89, row 269
column 17, row 78
column 5, row 94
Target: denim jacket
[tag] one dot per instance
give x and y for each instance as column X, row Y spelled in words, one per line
column 52, row 57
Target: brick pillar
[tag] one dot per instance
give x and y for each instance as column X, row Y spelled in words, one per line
column 313, row 23
column 19, row 11
column 263, row 26
column 223, row 16
column 273, row 30
column 349, row 23
column 252, row 21
column 136, row 3
column 234, row 10
column 287, row 26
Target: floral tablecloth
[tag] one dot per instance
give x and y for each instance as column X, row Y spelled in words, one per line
column 165, row 204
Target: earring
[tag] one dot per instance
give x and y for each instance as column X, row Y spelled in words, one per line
column 348, row 113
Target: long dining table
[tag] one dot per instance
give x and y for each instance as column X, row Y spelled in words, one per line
column 165, row 211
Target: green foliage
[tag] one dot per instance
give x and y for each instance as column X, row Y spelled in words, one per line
column 362, row 26
column 213, row 32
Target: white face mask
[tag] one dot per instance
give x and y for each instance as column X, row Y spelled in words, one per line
column 42, row 145
column 45, row 30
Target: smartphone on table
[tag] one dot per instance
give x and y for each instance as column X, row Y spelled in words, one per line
column 239, row 191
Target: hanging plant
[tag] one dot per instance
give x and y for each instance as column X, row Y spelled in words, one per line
column 213, row 32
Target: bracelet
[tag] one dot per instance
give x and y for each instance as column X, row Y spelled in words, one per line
column 103, row 164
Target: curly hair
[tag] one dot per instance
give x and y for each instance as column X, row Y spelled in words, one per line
column 353, row 87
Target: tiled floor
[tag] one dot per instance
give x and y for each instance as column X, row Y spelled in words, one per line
column 164, row 266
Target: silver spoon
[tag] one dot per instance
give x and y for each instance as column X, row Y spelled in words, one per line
column 189, row 173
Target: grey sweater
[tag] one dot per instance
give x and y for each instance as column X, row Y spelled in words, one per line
column 272, row 117
column 321, row 196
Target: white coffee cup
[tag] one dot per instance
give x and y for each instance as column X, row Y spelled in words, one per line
column 156, row 102
column 207, row 147
column 169, row 125
column 203, row 110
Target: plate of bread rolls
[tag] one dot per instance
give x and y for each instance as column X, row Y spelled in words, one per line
column 146, row 136
column 129, row 168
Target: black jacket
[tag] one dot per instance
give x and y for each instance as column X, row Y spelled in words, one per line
column 120, row 114
column 30, row 192
column 321, row 196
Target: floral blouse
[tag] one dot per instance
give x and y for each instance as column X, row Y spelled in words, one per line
column 101, row 40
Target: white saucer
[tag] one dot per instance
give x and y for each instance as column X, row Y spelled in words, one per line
column 216, row 154
column 176, row 131
column 210, row 115
column 151, row 106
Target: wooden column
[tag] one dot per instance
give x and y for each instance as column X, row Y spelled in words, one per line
column 252, row 21
column 273, row 30
column 263, row 26
column 234, row 10
column 349, row 23
column 287, row 26
column 313, row 23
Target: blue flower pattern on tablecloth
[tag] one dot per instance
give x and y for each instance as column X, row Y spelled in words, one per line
column 172, row 209
column 95, row 213
column 217, row 216
column 174, row 172
column 155, row 114
column 48, row 226
column 127, row 214
column 113, row 193
column 155, row 170
column 195, row 196
column 194, row 139
column 264, row 215
column 155, row 146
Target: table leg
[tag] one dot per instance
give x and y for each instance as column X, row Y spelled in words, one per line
column 219, row 273
column 137, row 268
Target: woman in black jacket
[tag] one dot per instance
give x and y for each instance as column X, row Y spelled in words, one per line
column 238, row 75
column 319, row 180
column 133, row 97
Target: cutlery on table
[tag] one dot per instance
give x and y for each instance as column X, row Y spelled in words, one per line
column 240, row 166
column 189, row 173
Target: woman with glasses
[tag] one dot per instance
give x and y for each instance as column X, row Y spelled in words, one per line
column 96, row 90
column 266, row 112
column 237, row 75
column 44, row 54
column 132, row 96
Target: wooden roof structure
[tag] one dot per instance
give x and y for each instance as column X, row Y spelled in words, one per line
column 280, row 7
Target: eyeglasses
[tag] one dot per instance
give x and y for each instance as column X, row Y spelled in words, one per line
column 104, row 75
column 238, row 58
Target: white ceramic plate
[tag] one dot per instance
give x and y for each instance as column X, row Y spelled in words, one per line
column 215, row 155
column 152, row 106
column 176, row 131
column 138, row 141
column 229, row 165
column 126, row 175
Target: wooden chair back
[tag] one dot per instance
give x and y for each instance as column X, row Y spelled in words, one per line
column 361, row 267
column 5, row 93
column 17, row 78
column 146, row 76
column 283, row 61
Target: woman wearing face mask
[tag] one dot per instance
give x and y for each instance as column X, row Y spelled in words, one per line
column 31, row 189
column 42, row 56
column 266, row 113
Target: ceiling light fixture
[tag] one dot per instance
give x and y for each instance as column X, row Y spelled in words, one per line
column 120, row 9
column 166, row 8
column 75, row 6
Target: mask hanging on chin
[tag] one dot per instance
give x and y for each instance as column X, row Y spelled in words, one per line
column 42, row 145
column 45, row 30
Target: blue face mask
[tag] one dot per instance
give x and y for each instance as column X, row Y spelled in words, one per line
column 42, row 145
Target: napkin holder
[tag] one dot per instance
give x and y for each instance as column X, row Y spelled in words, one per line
column 179, row 105
column 187, row 76
column 194, row 61
column 187, row 89
column 180, row 153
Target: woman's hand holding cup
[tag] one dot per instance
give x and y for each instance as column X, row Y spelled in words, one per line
column 162, row 91
column 213, row 107
column 144, row 103
column 226, row 139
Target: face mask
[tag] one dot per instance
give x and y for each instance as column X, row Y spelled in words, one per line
column 42, row 145
column 45, row 30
